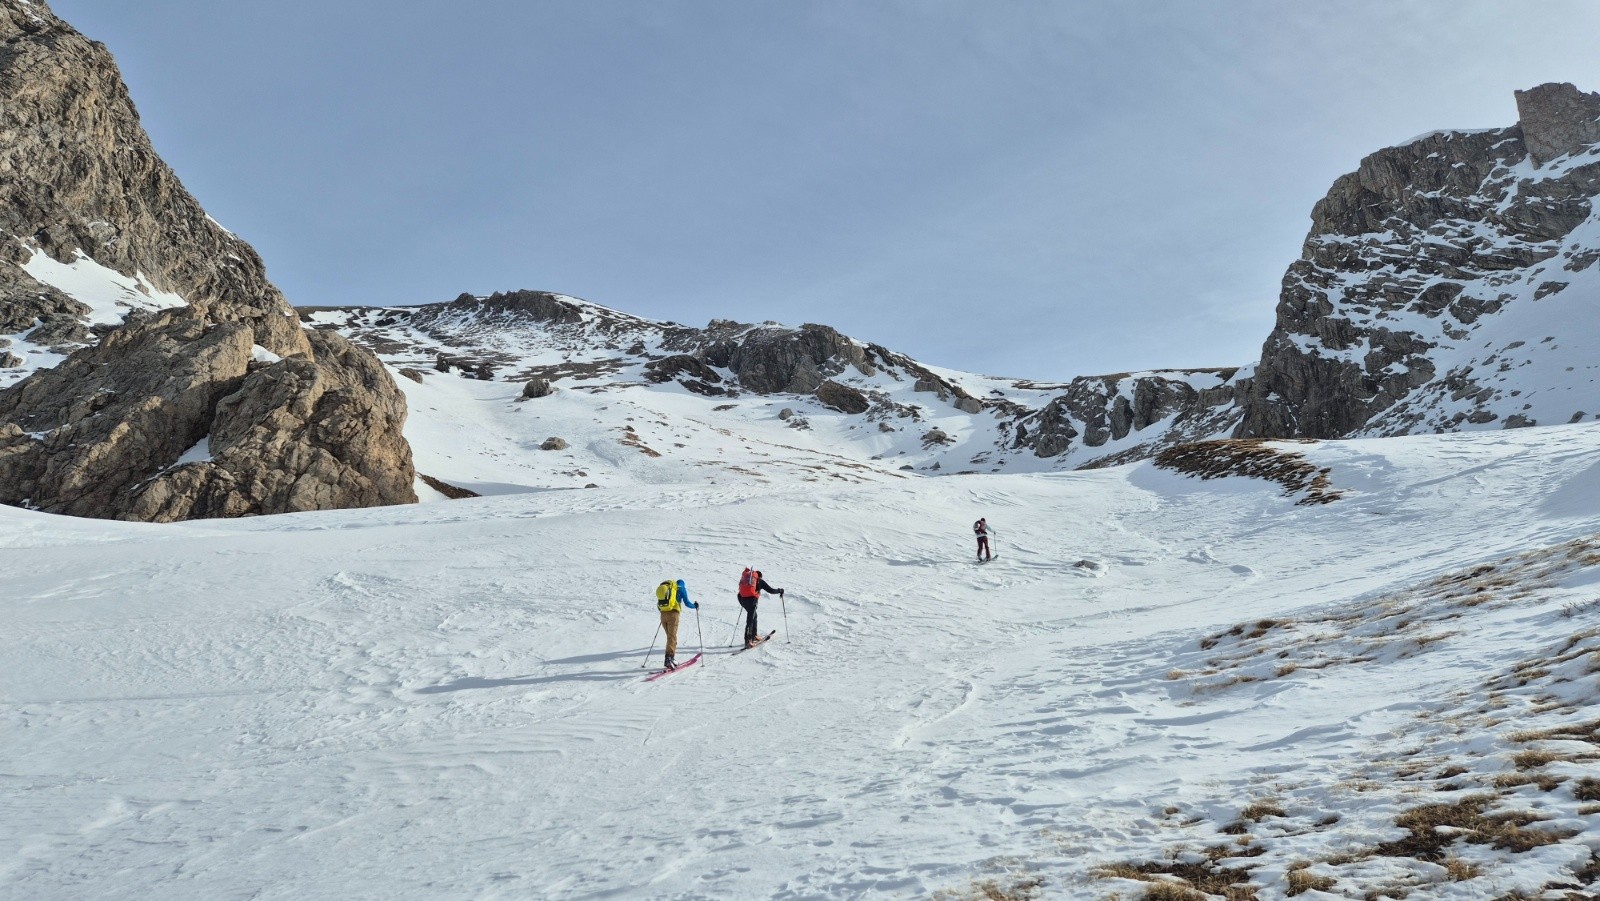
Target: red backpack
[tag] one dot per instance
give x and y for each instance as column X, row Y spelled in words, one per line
column 748, row 582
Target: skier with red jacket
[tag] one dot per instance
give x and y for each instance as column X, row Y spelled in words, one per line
column 751, row 585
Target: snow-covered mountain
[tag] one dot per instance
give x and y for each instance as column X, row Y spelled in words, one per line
column 1445, row 285
column 637, row 399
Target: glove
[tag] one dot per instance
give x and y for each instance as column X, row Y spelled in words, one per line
column 780, row 592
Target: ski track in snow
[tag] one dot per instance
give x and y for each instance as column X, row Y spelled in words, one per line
column 448, row 700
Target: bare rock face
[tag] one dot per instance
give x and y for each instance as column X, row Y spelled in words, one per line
column 1393, row 319
column 770, row 361
column 1557, row 119
column 1104, row 409
column 293, row 420
column 842, row 398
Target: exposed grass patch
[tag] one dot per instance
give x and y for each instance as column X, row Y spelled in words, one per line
column 1586, row 731
column 1195, row 880
column 1459, row 870
column 1532, row 760
column 450, row 491
column 1545, row 781
column 1260, row 810
column 1252, row 458
column 1024, row 888
column 1301, row 881
column 1435, row 827
column 1587, row 789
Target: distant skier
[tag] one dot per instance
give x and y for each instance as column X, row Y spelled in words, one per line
column 750, row 587
column 981, row 529
column 671, row 598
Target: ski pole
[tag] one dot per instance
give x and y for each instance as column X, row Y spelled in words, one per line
column 652, row 647
column 736, row 621
column 699, row 630
column 785, row 605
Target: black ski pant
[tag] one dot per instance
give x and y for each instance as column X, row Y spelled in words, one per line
column 749, row 605
column 983, row 547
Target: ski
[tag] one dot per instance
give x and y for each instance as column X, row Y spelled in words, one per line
column 758, row 641
column 667, row 672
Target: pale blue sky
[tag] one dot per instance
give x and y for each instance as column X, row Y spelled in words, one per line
column 1019, row 188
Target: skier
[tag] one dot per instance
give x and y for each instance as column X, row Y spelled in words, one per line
column 671, row 598
column 981, row 529
column 750, row 587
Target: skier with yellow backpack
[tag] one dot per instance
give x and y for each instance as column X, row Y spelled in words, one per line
column 671, row 598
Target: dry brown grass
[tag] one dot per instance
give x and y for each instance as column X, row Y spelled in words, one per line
column 1251, row 458
column 1301, row 881
column 1260, row 810
column 1435, row 827
column 1193, row 880
column 1586, row 731
column 1532, row 760
column 1459, row 870
column 1545, row 781
column 1172, row 891
column 1587, row 789
column 1023, row 888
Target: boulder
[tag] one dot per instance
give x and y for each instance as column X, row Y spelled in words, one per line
column 842, row 398
column 536, row 388
column 553, row 444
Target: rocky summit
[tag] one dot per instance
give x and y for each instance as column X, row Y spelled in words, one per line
column 1448, row 283
column 151, row 371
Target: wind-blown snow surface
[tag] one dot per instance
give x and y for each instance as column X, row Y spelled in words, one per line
column 447, row 700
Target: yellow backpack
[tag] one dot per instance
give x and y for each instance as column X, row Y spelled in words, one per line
column 667, row 596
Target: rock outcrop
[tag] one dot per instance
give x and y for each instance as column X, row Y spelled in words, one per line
column 1097, row 411
column 1410, row 308
column 223, row 407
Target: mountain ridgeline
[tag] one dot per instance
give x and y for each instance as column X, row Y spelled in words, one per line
column 150, row 371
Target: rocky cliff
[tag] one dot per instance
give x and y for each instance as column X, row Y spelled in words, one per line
column 154, row 373
column 1447, row 283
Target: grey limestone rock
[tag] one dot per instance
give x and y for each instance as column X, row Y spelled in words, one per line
column 100, row 434
column 553, row 444
column 536, row 388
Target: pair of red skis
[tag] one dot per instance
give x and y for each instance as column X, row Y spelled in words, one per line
column 696, row 659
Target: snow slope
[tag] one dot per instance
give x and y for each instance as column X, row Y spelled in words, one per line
column 447, row 700
column 109, row 295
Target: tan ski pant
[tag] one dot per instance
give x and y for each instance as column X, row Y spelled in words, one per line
column 669, row 624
